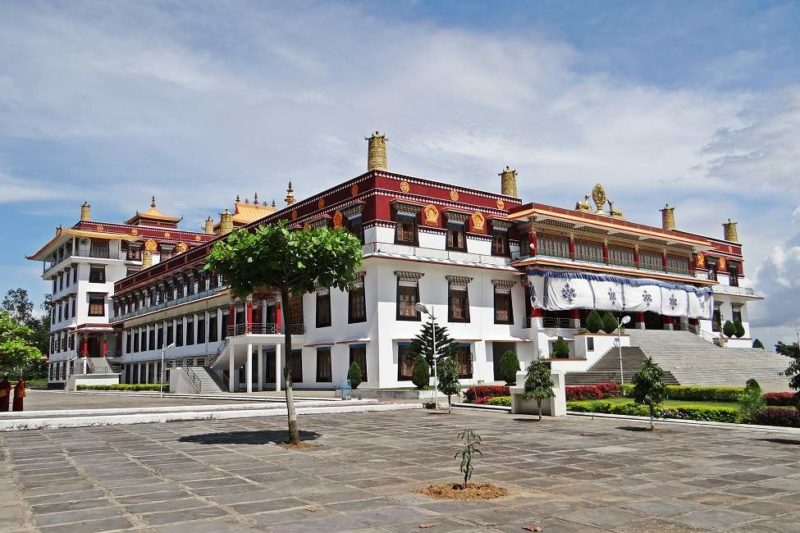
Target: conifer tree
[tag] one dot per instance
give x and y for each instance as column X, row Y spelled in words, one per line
column 421, row 373
column 594, row 323
column 354, row 375
column 509, row 366
column 422, row 344
column 610, row 323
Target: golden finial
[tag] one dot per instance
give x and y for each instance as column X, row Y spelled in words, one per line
column 376, row 152
column 599, row 197
column 208, row 228
column 273, row 203
column 255, row 198
column 508, row 182
column 153, row 201
column 289, row 195
column 225, row 222
column 237, row 199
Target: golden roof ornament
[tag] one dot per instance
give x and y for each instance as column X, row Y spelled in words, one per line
column 153, row 201
column 86, row 211
column 376, row 152
column 599, row 198
column 289, row 195
column 584, row 205
column 615, row 213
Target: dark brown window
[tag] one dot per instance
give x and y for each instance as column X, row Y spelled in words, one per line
column 136, row 340
column 99, row 248
column 323, row 308
column 405, row 362
column 128, row 342
column 296, row 311
column 97, row 274
column 179, row 332
column 500, row 243
column 358, row 354
column 355, row 227
column 407, row 298
column 733, row 274
column 170, row 337
column 324, row 372
column 406, row 230
column 201, row 329
column 716, row 320
column 160, row 335
column 152, row 334
column 212, row 326
column 650, row 260
column 190, row 332
column 736, row 315
column 297, row 366
column 712, row 269
column 503, row 313
column 357, row 303
column 97, row 304
column 458, row 303
column 456, row 239
column 462, row 355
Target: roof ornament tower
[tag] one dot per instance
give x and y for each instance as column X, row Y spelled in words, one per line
column 668, row 217
column 376, row 152
column 289, row 195
column 508, row 182
column 225, row 222
column 599, row 198
column 731, row 233
column 208, row 227
column 86, row 212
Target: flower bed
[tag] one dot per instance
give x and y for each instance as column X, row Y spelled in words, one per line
column 780, row 399
column 779, row 416
column 592, row 392
column 481, row 393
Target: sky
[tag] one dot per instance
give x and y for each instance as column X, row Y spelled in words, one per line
column 695, row 104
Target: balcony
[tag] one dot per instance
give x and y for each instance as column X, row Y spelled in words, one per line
column 595, row 260
column 262, row 329
column 169, row 304
column 735, row 291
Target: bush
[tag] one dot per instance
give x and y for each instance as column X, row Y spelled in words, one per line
column 729, row 329
column 714, row 414
column 751, row 403
column 477, row 392
column 126, row 387
column 505, row 401
column 782, row 399
column 758, row 344
column 354, row 375
column 593, row 322
column 704, row 394
column 421, row 373
column 592, row 392
column 778, row 416
column 610, row 322
column 509, row 366
column 560, row 348
column 739, row 329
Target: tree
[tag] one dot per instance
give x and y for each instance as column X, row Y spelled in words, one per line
column 448, row 380
column 422, row 344
column 610, row 323
column 560, row 348
column 739, row 329
column 289, row 261
column 758, row 344
column 538, row 383
column 509, row 366
column 729, row 329
column 793, row 372
column 17, row 349
column 594, row 323
column 421, row 373
column 649, row 388
column 18, row 305
column 751, row 402
column 354, row 375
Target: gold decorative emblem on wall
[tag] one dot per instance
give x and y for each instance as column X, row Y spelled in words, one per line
column 181, row 247
column 307, row 226
column 431, row 215
column 150, row 245
column 134, row 231
column 501, row 204
column 454, row 195
column 294, row 214
column 100, row 227
column 700, row 261
column 405, row 186
column 167, row 235
column 354, row 189
column 197, row 238
column 478, row 221
column 337, row 219
column 321, row 203
column 723, row 265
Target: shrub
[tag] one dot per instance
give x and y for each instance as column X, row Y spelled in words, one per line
column 751, row 403
column 703, row 394
column 560, row 348
column 354, row 375
column 505, row 401
column 758, row 344
column 739, row 329
column 592, row 392
column 421, row 373
column 509, row 366
column 126, row 387
column 778, row 416
column 593, row 321
column 610, row 322
column 649, row 388
column 699, row 412
column 782, row 399
column 538, row 383
column 485, row 391
column 448, row 380
column 729, row 329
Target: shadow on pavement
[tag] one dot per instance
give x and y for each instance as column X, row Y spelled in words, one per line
column 784, row 441
column 247, row 437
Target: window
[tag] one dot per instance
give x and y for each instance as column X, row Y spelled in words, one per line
column 151, row 335
column 650, row 260
column 553, row 245
column 737, row 313
column 99, row 248
column 324, row 373
column 323, row 308
column 212, row 326
column 295, row 311
column 55, row 284
column 528, row 305
column 128, row 342
column 61, row 281
column 589, row 344
column 71, row 340
column 73, row 307
column 179, row 332
column 462, row 355
column 712, row 269
column 358, row 354
column 60, row 310
column 97, row 274
column 224, row 325
column 716, row 320
column 500, row 243
column 406, row 229
column 67, row 276
column 678, row 264
column 457, row 299
column 503, row 312
column 357, row 302
column 297, row 366
column 170, row 337
column 620, row 255
column 405, row 362
column 136, row 340
column 190, row 331
column 97, row 304
column 355, row 227
column 456, row 239
column 160, row 335
column 75, row 275
column 733, row 273
column 201, row 329
column 145, row 341
column 407, row 298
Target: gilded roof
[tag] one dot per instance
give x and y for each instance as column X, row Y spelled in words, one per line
column 153, row 213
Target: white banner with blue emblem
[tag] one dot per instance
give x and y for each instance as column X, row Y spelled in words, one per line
column 643, row 298
column 567, row 293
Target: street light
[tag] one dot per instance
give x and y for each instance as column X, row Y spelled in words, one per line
column 622, row 322
column 424, row 310
column 161, row 384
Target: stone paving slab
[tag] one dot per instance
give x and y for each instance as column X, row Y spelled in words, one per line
column 361, row 471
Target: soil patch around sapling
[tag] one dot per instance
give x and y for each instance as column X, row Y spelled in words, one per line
column 301, row 446
column 455, row 491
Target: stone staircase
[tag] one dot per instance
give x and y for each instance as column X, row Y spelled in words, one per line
column 210, row 382
column 100, row 365
column 606, row 369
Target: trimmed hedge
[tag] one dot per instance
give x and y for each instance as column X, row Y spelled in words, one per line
column 500, row 400
column 778, row 416
column 715, row 414
column 780, row 399
column 485, row 391
column 126, row 387
column 592, row 392
column 697, row 394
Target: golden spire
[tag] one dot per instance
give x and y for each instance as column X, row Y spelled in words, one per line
column 208, row 227
column 255, row 198
column 376, row 152
column 225, row 222
column 86, row 211
column 273, row 203
column 508, row 182
column 153, row 201
column 599, row 198
column 731, row 233
column 289, row 195
column 668, row 217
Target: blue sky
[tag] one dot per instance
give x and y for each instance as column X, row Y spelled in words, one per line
column 692, row 103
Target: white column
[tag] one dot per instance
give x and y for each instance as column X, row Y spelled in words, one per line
column 248, row 374
column 231, row 377
column 278, row 369
column 260, row 385
column 219, row 323
column 139, row 374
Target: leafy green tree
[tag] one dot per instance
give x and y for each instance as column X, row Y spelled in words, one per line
column 448, row 383
column 354, row 375
column 729, row 329
column 751, row 402
column 422, row 344
column 560, row 348
column 18, row 305
column 594, row 322
column 509, row 366
column 758, row 344
column 471, row 442
column 289, row 261
column 610, row 322
column 793, row 372
column 538, row 383
column 739, row 329
column 17, row 349
column 649, row 388
column 421, row 373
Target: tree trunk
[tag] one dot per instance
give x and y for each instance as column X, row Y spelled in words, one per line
column 539, row 407
column 294, row 430
column 652, row 425
column 449, row 405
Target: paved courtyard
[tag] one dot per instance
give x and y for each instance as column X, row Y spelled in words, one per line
column 573, row 474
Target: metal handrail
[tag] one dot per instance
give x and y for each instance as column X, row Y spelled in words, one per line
column 221, row 348
column 235, row 330
column 553, row 322
column 193, row 378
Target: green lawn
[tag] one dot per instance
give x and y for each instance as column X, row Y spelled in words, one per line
column 666, row 405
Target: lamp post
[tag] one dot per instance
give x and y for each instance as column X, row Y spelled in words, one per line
column 161, row 381
column 422, row 309
column 622, row 322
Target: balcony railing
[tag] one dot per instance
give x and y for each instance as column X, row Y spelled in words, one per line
column 553, row 322
column 433, row 253
column 262, row 329
column 614, row 262
column 168, row 304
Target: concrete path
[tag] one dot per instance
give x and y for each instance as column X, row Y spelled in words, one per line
column 362, row 471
